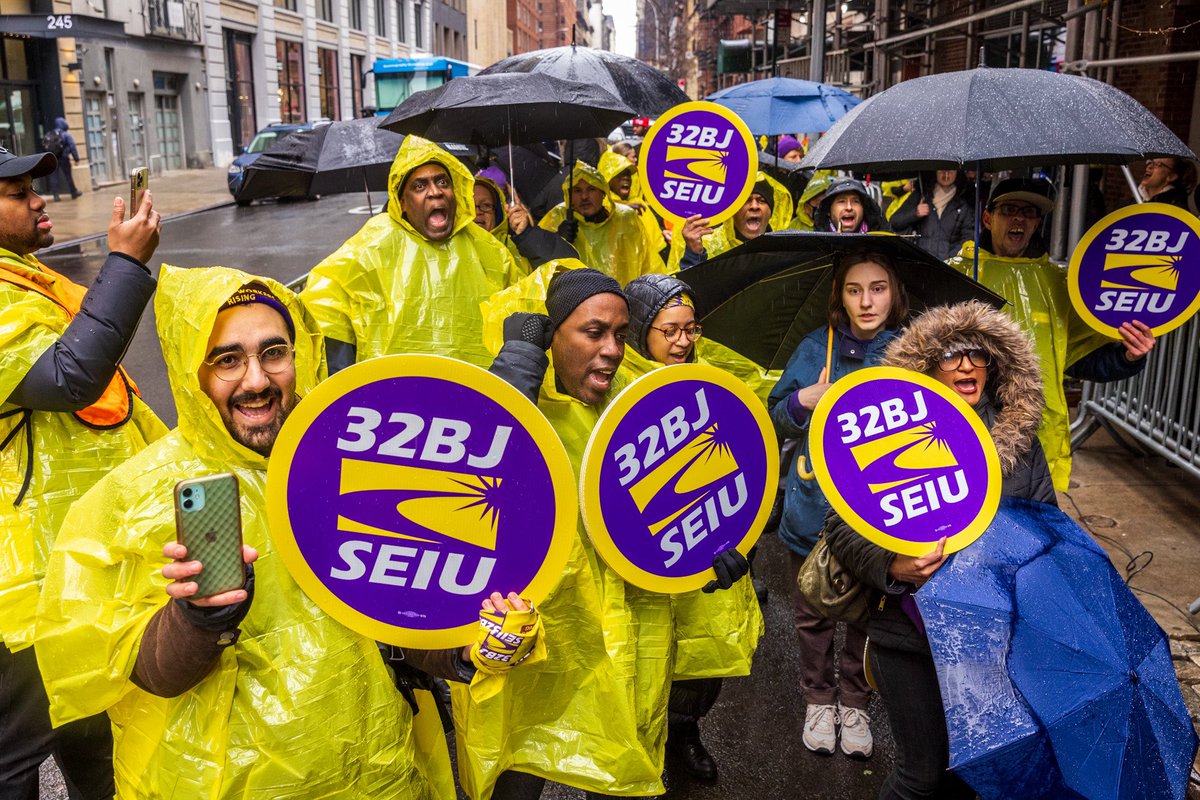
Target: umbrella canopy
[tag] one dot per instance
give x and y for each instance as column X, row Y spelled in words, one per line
column 997, row 119
column 506, row 108
column 775, row 106
column 636, row 84
column 1056, row 681
column 761, row 298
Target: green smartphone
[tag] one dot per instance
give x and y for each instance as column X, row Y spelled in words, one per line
column 208, row 522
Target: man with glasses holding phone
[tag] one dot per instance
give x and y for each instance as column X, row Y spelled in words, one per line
column 1013, row 262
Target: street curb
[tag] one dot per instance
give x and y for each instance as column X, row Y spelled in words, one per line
column 93, row 237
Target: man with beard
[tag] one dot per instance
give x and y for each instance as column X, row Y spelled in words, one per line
column 254, row 693
column 68, row 415
column 1013, row 262
column 411, row 280
column 847, row 208
column 768, row 202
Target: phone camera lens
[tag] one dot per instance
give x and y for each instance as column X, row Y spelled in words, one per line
column 187, row 504
column 187, row 492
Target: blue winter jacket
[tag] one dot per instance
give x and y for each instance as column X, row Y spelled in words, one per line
column 804, row 504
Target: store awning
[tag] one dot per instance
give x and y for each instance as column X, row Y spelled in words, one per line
column 55, row 26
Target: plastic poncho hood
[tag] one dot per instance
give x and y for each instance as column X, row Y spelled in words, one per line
column 611, row 165
column 300, row 706
column 820, row 181
column 388, row 289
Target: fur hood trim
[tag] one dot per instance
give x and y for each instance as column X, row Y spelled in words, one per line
column 1014, row 378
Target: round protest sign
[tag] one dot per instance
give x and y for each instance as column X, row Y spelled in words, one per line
column 699, row 158
column 1141, row 262
column 904, row 460
column 404, row 490
column 682, row 465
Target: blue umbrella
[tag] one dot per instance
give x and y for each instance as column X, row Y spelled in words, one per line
column 1056, row 681
column 775, row 106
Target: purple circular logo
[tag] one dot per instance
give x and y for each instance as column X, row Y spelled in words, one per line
column 904, row 460
column 699, row 158
column 1140, row 263
column 682, row 466
column 401, row 501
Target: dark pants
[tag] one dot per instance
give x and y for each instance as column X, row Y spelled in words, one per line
column 513, row 785
column 690, row 700
column 61, row 179
column 815, row 632
column 909, row 689
column 82, row 749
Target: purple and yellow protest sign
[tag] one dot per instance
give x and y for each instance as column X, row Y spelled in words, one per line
column 1141, row 262
column 904, row 460
column 699, row 158
column 682, row 465
column 404, row 490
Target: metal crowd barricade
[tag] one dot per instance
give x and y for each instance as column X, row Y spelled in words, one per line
column 1159, row 408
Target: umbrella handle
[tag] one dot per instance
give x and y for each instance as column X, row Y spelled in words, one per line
column 571, row 185
column 978, row 214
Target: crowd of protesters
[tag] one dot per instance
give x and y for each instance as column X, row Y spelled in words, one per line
column 113, row 666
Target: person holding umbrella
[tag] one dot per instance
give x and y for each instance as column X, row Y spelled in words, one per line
column 989, row 362
column 608, row 236
column 509, row 222
column 867, row 305
column 411, row 280
column 1013, row 262
column 940, row 212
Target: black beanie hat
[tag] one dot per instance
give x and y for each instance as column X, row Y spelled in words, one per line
column 767, row 193
column 570, row 288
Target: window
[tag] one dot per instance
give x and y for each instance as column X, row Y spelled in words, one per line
column 401, row 21
column 290, row 5
column 419, row 24
column 325, row 10
column 356, row 15
column 358, row 66
column 327, row 82
column 290, row 57
column 239, row 87
column 381, row 17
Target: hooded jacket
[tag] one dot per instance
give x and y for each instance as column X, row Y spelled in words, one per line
column 593, row 714
column 388, row 289
column 613, row 164
column 716, row 634
column 872, row 215
column 725, row 237
column 69, row 149
column 941, row 236
column 615, row 245
column 501, row 231
column 300, row 706
column 1011, row 408
column 58, row 455
column 820, row 181
column 1038, row 300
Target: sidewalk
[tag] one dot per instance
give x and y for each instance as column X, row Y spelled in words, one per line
column 174, row 193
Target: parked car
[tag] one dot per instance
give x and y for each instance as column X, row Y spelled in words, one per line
column 261, row 142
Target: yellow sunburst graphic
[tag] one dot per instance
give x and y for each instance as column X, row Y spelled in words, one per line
column 704, row 163
column 918, row 450
column 1161, row 272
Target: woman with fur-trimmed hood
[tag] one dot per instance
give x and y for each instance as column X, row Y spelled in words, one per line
column 985, row 358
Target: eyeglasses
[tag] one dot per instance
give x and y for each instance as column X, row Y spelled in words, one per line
column 1010, row 210
column 951, row 361
column 1158, row 165
column 232, row 366
column 671, row 332
column 485, row 208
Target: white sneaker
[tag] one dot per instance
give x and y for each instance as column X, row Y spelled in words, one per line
column 820, row 729
column 855, row 734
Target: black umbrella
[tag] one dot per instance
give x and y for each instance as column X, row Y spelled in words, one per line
column 636, row 84
column 508, row 109
column 761, row 298
column 993, row 119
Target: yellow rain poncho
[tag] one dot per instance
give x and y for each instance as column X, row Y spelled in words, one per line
column 715, row 634
column 1037, row 291
column 593, row 714
column 617, row 245
column 613, row 164
column 821, row 180
column 501, row 231
column 300, row 706
column 390, row 290
column 68, row 456
column 725, row 237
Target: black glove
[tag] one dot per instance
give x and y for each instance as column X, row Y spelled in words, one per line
column 569, row 228
column 525, row 327
column 731, row 566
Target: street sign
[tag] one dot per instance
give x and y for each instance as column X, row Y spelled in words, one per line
column 904, row 460
column 1141, row 262
column 682, row 465
column 404, row 490
column 699, row 158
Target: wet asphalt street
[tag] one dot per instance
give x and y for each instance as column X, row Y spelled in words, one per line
column 753, row 732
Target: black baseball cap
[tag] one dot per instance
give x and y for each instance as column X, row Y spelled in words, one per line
column 1034, row 192
column 37, row 165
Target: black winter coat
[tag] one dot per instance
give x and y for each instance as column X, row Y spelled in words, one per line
column 940, row 236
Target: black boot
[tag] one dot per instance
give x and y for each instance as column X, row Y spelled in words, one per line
column 685, row 746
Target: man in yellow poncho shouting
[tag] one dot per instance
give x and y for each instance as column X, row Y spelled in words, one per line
column 768, row 208
column 411, row 280
column 68, row 415
column 255, row 693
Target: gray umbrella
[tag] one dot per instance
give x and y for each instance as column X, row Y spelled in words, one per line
column 994, row 119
